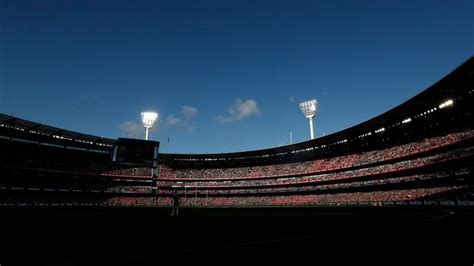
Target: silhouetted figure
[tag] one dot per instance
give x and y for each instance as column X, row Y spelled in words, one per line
column 175, row 210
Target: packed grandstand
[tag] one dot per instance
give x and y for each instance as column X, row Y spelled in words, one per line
column 419, row 153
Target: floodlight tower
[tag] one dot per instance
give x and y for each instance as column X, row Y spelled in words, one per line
column 309, row 110
column 148, row 119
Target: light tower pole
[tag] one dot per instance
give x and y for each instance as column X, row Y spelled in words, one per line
column 148, row 119
column 309, row 110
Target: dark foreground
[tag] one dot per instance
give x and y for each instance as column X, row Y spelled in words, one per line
column 150, row 236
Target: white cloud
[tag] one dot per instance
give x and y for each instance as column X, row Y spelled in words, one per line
column 173, row 120
column 240, row 110
column 189, row 111
column 132, row 129
column 187, row 114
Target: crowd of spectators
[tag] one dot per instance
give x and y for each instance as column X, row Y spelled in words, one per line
column 203, row 184
column 77, row 187
column 293, row 200
column 315, row 166
column 317, row 188
column 130, row 201
column 26, row 156
column 111, row 169
column 310, row 176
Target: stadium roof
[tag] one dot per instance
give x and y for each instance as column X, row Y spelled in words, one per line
column 37, row 128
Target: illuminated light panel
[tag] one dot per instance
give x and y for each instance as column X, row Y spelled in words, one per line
column 446, row 104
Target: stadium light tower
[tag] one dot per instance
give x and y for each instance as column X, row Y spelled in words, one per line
column 148, row 119
column 309, row 110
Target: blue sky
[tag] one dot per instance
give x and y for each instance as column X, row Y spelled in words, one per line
column 224, row 75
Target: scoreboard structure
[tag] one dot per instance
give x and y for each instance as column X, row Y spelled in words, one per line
column 136, row 151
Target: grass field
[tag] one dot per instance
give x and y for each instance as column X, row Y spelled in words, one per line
column 148, row 236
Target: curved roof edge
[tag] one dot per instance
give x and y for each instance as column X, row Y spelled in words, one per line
column 49, row 131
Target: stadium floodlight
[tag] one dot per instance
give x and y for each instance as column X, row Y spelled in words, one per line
column 148, row 120
column 446, row 104
column 309, row 110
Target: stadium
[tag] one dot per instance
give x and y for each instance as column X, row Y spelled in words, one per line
column 409, row 168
